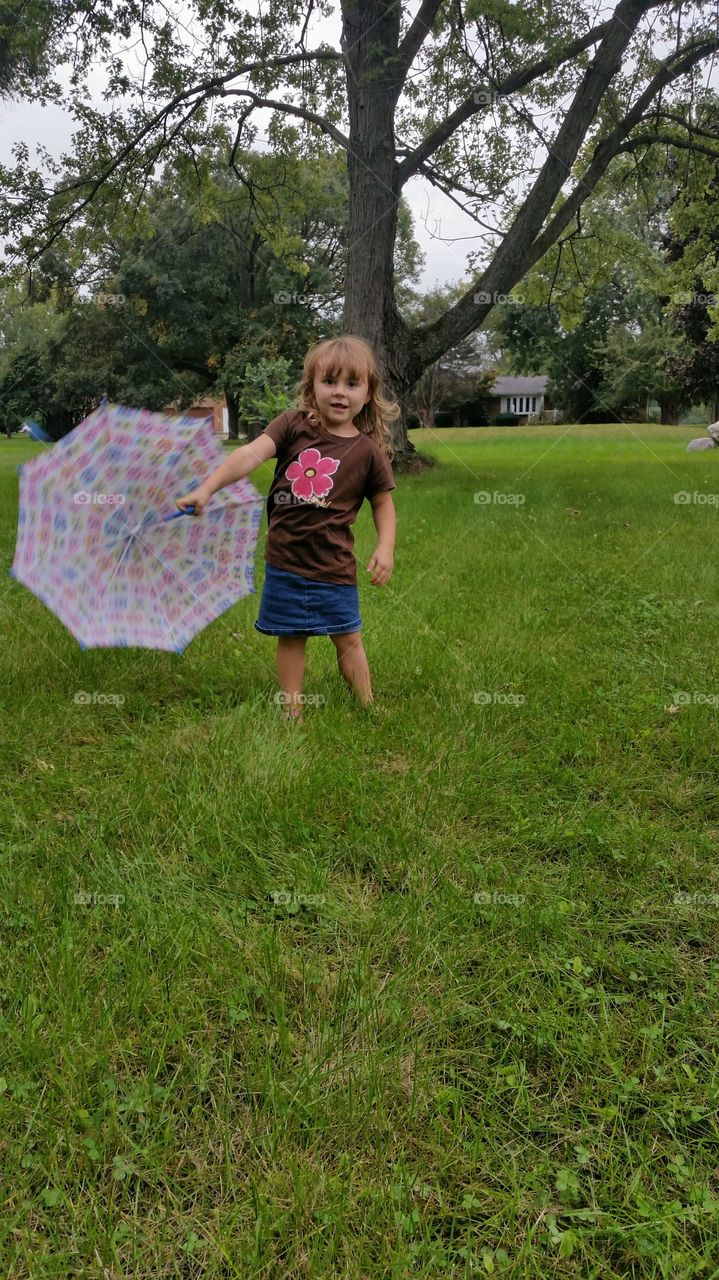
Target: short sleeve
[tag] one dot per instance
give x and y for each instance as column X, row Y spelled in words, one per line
column 281, row 431
column 379, row 476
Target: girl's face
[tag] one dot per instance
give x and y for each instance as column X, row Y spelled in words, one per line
column 340, row 397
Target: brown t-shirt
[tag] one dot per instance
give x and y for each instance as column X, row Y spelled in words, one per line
column 319, row 485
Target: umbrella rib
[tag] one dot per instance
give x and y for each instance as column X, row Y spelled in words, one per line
column 164, row 610
column 218, row 580
column 53, row 547
column 112, row 575
column 161, row 561
column 159, row 520
column 128, row 544
column 164, row 565
column 176, row 575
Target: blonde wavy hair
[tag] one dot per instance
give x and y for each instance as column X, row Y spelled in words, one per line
column 330, row 356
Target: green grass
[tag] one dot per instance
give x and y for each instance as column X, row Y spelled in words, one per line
column 393, row 1078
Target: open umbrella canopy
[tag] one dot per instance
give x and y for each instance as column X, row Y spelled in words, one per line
column 101, row 542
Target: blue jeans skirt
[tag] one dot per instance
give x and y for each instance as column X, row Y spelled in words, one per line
column 295, row 606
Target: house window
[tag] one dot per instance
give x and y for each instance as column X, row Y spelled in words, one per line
column 534, row 403
column 514, row 404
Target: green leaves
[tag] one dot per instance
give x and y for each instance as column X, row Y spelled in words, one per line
column 515, row 20
column 567, row 1184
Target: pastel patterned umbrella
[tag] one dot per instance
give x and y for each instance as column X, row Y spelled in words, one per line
column 101, row 542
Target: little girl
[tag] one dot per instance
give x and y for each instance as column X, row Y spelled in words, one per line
column 332, row 452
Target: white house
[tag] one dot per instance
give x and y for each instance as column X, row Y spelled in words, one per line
column 527, row 397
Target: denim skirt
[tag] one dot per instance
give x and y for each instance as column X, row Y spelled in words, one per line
column 295, row 606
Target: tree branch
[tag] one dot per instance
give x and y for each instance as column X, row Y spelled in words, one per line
column 448, row 186
column 691, row 128
column 508, row 264
column 61, row 223
column 437, row 178
column 290, row 109
column 502, row 89
column 672, row 69
column 207, row 89
column 417, row 34
column 684, row 144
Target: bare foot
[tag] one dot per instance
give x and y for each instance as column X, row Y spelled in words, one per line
column 293, row 713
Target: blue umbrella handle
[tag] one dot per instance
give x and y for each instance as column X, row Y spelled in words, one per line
column 190, row 511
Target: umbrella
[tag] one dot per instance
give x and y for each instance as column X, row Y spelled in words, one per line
column 100, row 540
column 37, row 432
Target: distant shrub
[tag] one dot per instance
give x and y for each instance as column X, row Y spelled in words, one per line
column 473, row 413
column 470, row 413
column 505, row 420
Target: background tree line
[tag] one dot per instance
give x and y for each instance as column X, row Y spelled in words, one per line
column 212, row 285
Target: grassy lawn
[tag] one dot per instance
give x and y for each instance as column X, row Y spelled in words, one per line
column 428, row 990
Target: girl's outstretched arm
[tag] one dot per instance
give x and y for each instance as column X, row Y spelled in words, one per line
column 240, row 463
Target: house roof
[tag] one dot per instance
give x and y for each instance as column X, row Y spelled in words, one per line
column 511, row 386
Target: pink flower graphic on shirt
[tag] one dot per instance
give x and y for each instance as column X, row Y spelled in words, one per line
column 310, row 474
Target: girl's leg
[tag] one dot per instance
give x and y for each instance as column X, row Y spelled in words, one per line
column 352, row 662
column 291, row 671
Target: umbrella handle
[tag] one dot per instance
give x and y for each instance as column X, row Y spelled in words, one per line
column 173, row 515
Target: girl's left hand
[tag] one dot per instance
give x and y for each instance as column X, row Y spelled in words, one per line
column 380, row 566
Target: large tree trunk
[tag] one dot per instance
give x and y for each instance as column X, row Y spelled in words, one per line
column 370, row 30
column 376, row 68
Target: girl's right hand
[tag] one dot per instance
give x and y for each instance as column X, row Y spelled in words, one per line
column 198, row 499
